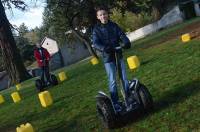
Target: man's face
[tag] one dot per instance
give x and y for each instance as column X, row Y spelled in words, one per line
column 38, row 45
column 102, row 16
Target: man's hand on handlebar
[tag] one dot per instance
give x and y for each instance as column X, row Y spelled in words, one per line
column 108, row 49
column 44, row 60
column 127, row 46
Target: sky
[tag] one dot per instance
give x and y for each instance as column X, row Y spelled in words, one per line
column 32, row 17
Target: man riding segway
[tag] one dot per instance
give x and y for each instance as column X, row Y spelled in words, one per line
column 106, row 38
column 42, row 57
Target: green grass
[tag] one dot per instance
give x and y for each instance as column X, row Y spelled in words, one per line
column 169, row 69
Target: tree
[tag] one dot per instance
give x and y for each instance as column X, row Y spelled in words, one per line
column 32, row 37
column 79, row 15
column 76, row 16
column 25, row 41
column 25, row 47
column 11, row 57
column 162, row 5
column 70, row 15
column 23, row 29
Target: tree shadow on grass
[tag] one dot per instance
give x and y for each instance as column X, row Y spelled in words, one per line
column 177, row 95
column 148, row 61
column 168, row 99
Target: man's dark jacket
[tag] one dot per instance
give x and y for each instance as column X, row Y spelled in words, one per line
column 108, row 36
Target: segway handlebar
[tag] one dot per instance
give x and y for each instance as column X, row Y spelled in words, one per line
column 118, row 48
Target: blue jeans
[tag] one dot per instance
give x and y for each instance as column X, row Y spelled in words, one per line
column 111, row 70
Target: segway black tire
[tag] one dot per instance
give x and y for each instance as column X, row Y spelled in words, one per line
column 39, row 85
column 145, row 98
column 106, row 115
column 53, row 80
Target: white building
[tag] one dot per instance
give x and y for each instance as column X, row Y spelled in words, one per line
column 50, row 44
column 65, row 55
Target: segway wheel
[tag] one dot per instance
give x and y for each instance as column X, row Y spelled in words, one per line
column 145, row 98
column 106, row 115
column 53, row 80
column 39, row 85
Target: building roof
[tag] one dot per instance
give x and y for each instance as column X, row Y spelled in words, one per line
column 187, row 1
column 196, row 1
column 43, row 40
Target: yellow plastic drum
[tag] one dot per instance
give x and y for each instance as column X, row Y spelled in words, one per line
column 1, row 99
column 133, row 62
column 62, row 76
column 16, row 97
column 45, row 98
column 25, row 128
column 186, row 37
column 94, row 61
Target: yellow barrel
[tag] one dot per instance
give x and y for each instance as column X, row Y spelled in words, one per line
column 25, row 128
column 18, row 86
column 1, row 99
column 94, row 61
column 133, row 62
column 62, row 76
column 16, row 97
column 186, row 37
column 45, row 98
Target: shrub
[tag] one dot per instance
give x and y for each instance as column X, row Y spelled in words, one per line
column 130, row 21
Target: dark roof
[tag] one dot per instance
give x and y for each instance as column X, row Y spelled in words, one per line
column 187, row 1
column 196, row 1
column 45, row 39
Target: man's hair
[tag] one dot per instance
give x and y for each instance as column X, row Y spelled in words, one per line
column 101, row 8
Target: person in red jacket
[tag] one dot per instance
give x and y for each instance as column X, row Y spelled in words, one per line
column 42, row 57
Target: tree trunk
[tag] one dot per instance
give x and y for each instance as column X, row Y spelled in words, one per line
column 92, row 52
column 11, row 57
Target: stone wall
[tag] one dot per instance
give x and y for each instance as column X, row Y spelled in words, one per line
column 74, row 52
column 69, row 54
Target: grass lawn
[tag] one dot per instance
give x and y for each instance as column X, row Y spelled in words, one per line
column 170, row 69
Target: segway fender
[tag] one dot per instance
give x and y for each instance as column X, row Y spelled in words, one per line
column 134, row 84
column 134, row 87
column 102, row 97
column 106, row 110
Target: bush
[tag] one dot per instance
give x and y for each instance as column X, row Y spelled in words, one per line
column 25, row 48
column 130, row 21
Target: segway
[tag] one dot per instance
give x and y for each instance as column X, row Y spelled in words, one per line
column 141, row 100
column 42, row 84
